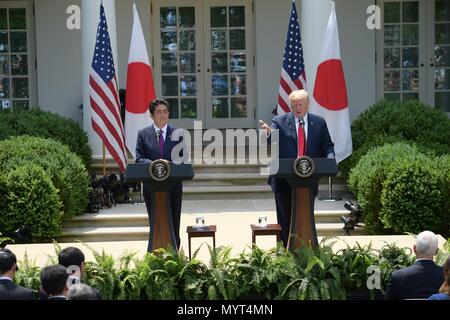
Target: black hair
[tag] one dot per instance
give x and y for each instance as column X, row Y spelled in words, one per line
column 156, row 102
column 71, row 256
column 7, row 260
column 54, row 279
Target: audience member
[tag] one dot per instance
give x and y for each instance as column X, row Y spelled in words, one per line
column 54, row 281
column 81, row 291
column 8, row 289
column 444, row 290
column 421, row 279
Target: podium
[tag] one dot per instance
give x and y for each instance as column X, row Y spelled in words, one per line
column 303, row 176
column 160, row 177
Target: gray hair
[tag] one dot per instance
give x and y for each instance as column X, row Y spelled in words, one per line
column 81, row 291
column 426, row 243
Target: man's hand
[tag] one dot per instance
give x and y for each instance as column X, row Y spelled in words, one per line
column 265, row 126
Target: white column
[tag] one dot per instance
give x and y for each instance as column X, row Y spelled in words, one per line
column 90, row 17
column 313, row 18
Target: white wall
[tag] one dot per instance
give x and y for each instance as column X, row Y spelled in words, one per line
column 58, row 54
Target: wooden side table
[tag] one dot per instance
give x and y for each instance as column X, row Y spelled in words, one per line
column 196, row 232
column 268, row 230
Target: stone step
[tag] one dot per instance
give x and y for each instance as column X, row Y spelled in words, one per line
column 141, row 219
column 94, row 234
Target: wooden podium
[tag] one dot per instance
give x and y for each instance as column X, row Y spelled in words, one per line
column 303, row 177
column 160, row 176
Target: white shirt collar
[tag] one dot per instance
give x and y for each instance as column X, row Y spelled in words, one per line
column 164, row 129
column 6, row 278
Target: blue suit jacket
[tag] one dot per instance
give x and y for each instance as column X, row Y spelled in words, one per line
column 318, row 143
column 418, row 281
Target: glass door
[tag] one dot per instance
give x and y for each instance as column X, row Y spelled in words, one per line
column 204, row 61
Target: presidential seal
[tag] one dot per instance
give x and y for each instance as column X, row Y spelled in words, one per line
column 159, row 170
column 304, row 166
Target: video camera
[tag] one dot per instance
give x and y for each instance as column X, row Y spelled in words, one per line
column 351, row 220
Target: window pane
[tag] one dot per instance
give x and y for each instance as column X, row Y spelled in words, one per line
column 4, row 88
column 168, row 41
column 392, row 35
column 411, row 11
column 188, row 86
column 237, row 62
column 187, row 40
column 173, row 108
column 238, row 85
column 4, row 41
column 218, row 40
column 237, row 16
column 20, row 88
column 219, row 62
column 442, row 101
column 20, row 105
column 19, row 64
column 410, row 96
column 3, row 19
column 392, row 80
column 187, row 62
column 239, row 107
column 18, row 41
column 442, row 33
column 5, row 105
column 410, row 57
column 187, row 17
column 169, row 85
column 392, row 96
column 392, row 57
column 442, row 79
column 17, row 18
column 220, row 108
column 189, row 108
column 410, row 80
column 442, row 56
column 237, row 39
column 410, row 34
column 391, row 12
column 219, row 85
column 168, row 17
column 169, row 63
column 442, row 10
column 4, row 64
column 218, row 17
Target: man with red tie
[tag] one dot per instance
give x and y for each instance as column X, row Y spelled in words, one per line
column 155, row 142
column 300, row 133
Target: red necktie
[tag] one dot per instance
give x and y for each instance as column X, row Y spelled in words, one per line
column 301, row 140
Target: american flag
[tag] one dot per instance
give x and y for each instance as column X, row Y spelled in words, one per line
column 293, row 75
column 104, row 95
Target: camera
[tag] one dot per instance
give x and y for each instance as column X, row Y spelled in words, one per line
column 351, row 220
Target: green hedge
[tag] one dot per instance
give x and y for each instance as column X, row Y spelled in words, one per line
column 46, row 125
column 65, row 169
column 29, row 198
column 393, row 121
column 401, row 190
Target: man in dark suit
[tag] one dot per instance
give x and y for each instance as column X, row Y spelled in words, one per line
column 54, row 281
column 155, row 142
column 299, row 133
column 423, row 278
column 8, row 289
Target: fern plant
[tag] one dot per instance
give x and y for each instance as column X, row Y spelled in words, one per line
column 29, row 274
column 220, row 282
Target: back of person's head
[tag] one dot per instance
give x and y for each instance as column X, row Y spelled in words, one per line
column 71, row 256
column 445, row 288
column 81, row 291
column 7, row 261
column 54, row 279
column 426, row 245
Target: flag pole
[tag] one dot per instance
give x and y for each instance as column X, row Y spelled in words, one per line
column 104, row 159
column 330, row 192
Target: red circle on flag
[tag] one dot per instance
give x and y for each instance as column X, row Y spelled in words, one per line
column 330, row 89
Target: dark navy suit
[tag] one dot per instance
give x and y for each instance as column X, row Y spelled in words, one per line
column 318, row 145
column 147, row 150
column 11, row 291
column 418, row 281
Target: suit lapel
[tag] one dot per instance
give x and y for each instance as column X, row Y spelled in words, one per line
column 291, row 125
column 310, row 132
column 152, row 137
column 167, row 141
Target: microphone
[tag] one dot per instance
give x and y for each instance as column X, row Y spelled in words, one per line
column 301, row 121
